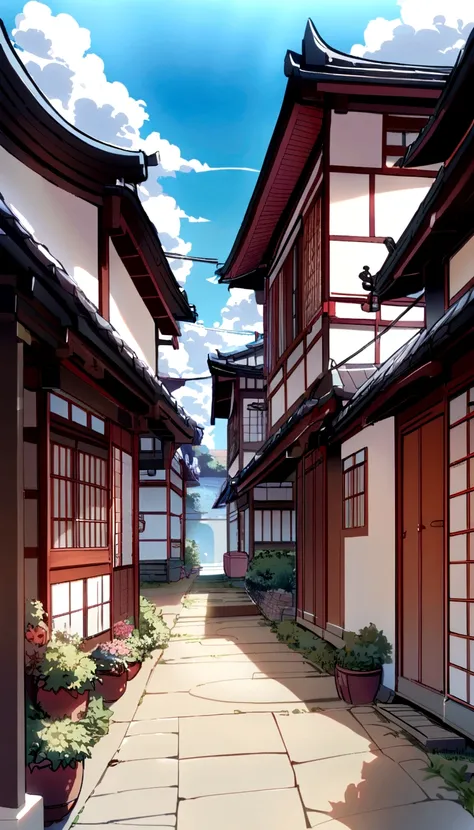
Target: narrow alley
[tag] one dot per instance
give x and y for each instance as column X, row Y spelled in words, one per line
column 235, row 730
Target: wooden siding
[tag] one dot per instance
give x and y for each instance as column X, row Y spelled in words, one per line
column 123, row 606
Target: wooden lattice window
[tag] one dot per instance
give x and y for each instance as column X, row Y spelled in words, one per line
column 122, row 490
column 312, row 263
column 79, row 498
column 354, row 469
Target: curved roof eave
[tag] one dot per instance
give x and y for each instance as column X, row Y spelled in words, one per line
column 35, row 133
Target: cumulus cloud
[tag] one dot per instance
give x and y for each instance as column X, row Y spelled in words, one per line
column 56, row 52
column 240, row 313
column 429, row 32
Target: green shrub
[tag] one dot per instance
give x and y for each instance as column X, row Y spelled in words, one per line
column 65, row 666
column 454, row 775
column 191, row 554
column 366, row 651
column 153, row 630
column 64, row 742
column 317, row 650
column 271, row 570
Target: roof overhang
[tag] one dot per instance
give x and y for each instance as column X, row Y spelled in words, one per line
column 452, row 117
column 34, row 132
column 136, row 242
column 444, row 218
column 317, row 79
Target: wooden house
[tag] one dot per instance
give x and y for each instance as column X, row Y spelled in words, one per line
column 413, row 419
column 264, row 516
column 329, row 203
column 85, row 293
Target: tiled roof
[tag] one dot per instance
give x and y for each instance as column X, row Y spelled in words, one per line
column 31, row 255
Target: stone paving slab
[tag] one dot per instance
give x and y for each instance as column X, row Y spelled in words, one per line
column 430, row 815
column 314, row 736
column 295, row 690
column 281, row 809
column 183, row 704
column 157, row 726
column 229, row 735
column 141, row 747
column 234, row 774
column 166, row 678
column 134, row 775
column 128, row 806
column 358, row 783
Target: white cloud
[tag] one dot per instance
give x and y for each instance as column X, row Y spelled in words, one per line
column 429, row 32
column 240, row 313
column 55, row 50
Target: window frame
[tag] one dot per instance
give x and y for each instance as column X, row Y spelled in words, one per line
column 312, row 270
column 363, row 529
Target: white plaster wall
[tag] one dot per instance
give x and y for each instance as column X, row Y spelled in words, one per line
column 356, row 139
column 295, row 384
column 277, row 404
column 370, row 588
column 344, row 340
column 461, row 267
column 397, row 198
column 314, row 361
column 349, row 204
column 129, row 314
column 392, row 340
column 346, row 260
column 65, row 224
column 234, row 467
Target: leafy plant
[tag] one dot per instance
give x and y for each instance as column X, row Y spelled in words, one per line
column 65, row 666
column 271, row 570
column 152, row 628
column 36, row 635
column 454, row 775
column 317, row 650
column 64, row 742
column 112, row 657
column 192, row 557
column 138, row 646
column 324, row 656
column 366, row 651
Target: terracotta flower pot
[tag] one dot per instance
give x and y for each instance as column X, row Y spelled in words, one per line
column 358, row 688
column 59, row 788
column 133, row 669
column 63, row 703
column 235, row 564
column 112, row 686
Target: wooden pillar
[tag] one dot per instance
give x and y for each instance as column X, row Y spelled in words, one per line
column 12, row 611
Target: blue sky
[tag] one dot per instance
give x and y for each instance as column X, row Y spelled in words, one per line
column 211, row 74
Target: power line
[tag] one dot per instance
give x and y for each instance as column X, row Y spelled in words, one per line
column 225, row 331
column 186, row 258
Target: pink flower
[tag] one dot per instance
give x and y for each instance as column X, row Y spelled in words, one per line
column 122, row 630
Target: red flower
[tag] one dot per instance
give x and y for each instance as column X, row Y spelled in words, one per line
column 36, row 635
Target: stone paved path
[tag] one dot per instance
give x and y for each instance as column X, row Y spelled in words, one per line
column 236, row 731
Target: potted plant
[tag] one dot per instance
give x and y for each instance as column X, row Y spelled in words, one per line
column 66, row 677
column 36, row 639
column 56, row 751
column 112, row 659
column 235, row 564
column 359, row 665
column 192, row 560
column 125, row 631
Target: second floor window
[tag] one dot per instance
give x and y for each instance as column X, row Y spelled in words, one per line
column 254, row 422
column 311, row 283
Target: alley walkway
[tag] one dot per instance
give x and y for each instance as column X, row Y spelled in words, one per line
column 237, row 732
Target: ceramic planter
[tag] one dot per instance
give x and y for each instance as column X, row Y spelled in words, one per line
column 133, row 669
column 359, row 688
column 235, row 564
column 59, row 788
column 112, row 685
column 174, row 569
column 63, row 703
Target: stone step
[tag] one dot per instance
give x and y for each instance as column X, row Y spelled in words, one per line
column 421, row 727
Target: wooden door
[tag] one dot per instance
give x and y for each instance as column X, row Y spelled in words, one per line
column 311, row 540
column 422, row 555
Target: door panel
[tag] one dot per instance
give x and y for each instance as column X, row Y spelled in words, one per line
column 308, row 544
column 422, row 578
column 410, row 556
column 319, row 546
column 432, row 555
